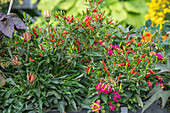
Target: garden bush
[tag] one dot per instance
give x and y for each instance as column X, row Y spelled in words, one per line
column 88, row 62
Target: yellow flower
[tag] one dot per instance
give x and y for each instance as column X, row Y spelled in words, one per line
column 157, row 11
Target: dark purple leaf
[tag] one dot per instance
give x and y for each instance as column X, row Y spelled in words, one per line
column 18, row 23
column 8, row 28
column 2, row 15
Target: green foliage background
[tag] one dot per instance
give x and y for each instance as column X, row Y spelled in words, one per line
column 128, row 12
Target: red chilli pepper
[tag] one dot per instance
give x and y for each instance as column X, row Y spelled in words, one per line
column 77, row 42
column 133, row 69
column 123, row 49
column 107, row 35
column 87, row 70
column 95, row 9
column 62, row 41
column 51, row 40
column 147, row 76
column 110, row 22
column 65, row 32
column 40, row 55
column 31, row 60
column 113, row 36
column 119, row 76
column 104, row 68
column 138, row 44
column 42, row 47
column 128, row 51
column 2, row 52
column 71, row 29
column 127, row 61
column 127, row 36
column 138, row 61
column 143, row 55
column 23, row 41
column 151, row 71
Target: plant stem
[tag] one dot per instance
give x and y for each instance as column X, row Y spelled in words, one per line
column 10, row 6
column 1, row 36
column 48, row 29
column 168, row 61
column 19, row 73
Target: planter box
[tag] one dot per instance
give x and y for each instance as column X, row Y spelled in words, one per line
column 154, row 108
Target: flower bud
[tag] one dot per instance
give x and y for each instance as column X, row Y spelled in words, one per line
column 26, row 36
column 31, row 77
column 47, row 15
column 14, row 61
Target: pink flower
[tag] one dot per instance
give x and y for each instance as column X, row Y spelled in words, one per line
column 110, row 52
column 112, row 106
column 160, row 57
column 161, row 85
column 116, row 96
column 113, row 46
column 150, row 84
column 101, row 87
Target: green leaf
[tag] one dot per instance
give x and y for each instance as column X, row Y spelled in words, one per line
column 104, row 98
column 148, row 23
column 11, row 91
column 118, row 12
column 74, row 104
column 163, row 68
column 67, row 4
column 164, row 95
column 2, row 81
column 40, row 103
column 129, row 94
column 61, row 106
column 139, row 100
column 151, row 101
column 130, row 7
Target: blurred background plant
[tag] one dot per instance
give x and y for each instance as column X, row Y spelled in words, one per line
column 5, row 3
column 128, row 12
column 159, row 12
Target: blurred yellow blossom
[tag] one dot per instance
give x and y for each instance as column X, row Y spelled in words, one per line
column 157, row 11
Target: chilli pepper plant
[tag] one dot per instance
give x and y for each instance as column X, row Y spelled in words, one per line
column 57, row 67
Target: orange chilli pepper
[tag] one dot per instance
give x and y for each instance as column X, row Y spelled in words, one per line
column 31, row 60
column 143, row 55
column 147, row 60
column 113, row 63
column 103, row 62
column 151, row 71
